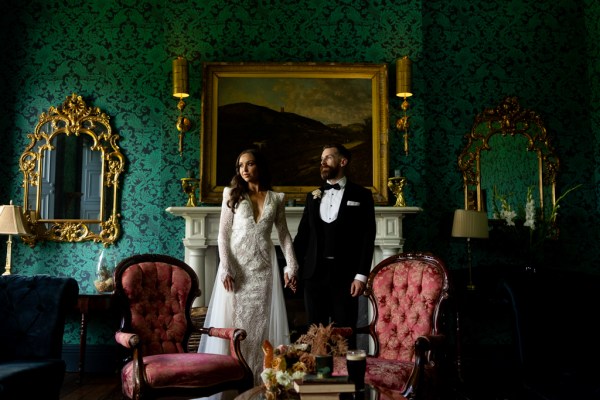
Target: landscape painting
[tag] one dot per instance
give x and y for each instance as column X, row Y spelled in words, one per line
column 290, row 111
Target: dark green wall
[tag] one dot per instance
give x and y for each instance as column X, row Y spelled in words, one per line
column 467, row 55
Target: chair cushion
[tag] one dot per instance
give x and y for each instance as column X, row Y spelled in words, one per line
column 388, row 374
column 184, row 370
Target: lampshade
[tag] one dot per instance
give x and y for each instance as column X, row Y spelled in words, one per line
column 180, row 78
column 403, row 77
column 11, row 221
column 470, row 224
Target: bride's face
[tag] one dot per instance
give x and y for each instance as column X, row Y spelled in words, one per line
column 247, row 168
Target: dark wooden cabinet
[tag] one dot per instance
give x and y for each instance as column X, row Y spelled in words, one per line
column 521, row 334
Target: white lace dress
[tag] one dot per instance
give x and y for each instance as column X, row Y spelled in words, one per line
column 247, row 254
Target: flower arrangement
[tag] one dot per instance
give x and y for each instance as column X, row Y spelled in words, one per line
column 316, row 194
column 276, row 376
column 285, row 364
column 537, row 226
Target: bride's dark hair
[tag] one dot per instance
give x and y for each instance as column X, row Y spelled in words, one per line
column 239, row 186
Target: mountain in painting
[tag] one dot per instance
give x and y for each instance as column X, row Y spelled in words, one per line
column 293, row 144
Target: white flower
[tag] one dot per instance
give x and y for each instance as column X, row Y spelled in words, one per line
column 529, row 210
column 316, row 194
column 508, row 215
column 296, row 375
column 506, row 212
column 284, row 379
column 267, row 376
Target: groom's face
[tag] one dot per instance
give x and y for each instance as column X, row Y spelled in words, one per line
column 331, row 166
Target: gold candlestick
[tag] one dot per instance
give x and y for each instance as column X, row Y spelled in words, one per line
column 396, row 184
column 189, row 186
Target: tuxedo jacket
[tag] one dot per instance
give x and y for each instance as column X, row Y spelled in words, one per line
column 354, row 234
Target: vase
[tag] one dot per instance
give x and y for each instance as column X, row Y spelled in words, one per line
column 271, row 393
column 105, row 268
column 324, row 365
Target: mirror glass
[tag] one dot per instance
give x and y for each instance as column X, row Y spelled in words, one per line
column 508, row 156
column 71, row 168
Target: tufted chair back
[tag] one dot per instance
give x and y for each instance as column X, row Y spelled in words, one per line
column 407, row 291
column 155, row 294
column 159, row 293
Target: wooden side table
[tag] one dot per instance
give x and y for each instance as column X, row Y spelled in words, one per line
column 88, row 303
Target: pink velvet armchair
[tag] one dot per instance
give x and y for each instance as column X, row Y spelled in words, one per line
column 405, row 294
column 155, row 295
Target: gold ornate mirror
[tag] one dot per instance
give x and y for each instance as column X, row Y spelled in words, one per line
column 71, row 170
column 508, row 156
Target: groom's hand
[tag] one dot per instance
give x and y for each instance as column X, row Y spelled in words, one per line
column 290, row 282
column 357, row 288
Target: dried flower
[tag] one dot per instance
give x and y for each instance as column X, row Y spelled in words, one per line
column 316, row 193
column 324, row 340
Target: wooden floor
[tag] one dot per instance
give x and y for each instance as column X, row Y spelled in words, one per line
column 95, row 387
column 92, row 387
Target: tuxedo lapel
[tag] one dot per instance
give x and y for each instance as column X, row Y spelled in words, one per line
column 316, row 204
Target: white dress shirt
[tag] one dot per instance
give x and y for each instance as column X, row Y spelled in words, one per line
column 331, row 200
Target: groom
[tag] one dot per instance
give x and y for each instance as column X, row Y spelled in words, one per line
column 335, row 242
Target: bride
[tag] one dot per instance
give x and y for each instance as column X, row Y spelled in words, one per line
column 247, row 293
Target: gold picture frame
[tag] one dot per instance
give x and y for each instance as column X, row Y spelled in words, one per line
column 290, row 110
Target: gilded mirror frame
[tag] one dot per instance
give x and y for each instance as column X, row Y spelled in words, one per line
column 74, row 118
column 508, row 120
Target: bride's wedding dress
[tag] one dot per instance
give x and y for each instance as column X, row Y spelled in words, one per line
column 257, row 304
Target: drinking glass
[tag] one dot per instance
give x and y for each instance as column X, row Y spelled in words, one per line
column 356, row 361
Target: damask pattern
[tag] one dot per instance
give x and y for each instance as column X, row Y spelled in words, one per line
column 467, row 55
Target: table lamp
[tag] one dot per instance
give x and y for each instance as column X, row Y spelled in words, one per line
column 11, row 223
column 470, row 224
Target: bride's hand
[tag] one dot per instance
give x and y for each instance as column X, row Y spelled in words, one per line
column 290, row 282
column 228, row 283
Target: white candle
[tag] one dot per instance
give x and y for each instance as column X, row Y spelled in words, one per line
column 396, row 172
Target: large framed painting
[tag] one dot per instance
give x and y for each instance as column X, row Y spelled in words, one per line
column 290, row 111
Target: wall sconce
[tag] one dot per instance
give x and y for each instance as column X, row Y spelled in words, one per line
column 181, row 89
column 404, row 90
column 12, row 222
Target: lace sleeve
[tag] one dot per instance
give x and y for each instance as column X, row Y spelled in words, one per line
column 285, row 239
column 224, row 238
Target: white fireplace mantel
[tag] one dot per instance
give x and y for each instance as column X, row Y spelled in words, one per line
column 202, row 229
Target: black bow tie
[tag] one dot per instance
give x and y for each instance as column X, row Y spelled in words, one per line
column 335, row 186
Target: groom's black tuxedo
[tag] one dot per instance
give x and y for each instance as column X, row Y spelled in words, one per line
column 351, row 239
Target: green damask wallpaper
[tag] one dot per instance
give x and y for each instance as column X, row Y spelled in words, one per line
column 467, row 55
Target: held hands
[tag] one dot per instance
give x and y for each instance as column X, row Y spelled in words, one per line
column 228, row 283
column 290, row 282
column 357, row 288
